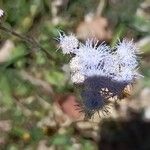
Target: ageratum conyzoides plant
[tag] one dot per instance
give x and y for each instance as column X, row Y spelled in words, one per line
column 102, row 71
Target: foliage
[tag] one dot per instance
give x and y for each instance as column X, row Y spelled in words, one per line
column 31, row 77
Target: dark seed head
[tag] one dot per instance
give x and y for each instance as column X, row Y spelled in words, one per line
column 98, row 83
column 92, row 101
column 96, row 94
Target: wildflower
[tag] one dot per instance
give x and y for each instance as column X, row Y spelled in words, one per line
column 77, row 78
column 69, row 44
column 102, row 71
column 126, row 52
column 75, row 64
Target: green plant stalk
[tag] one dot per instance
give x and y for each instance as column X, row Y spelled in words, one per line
column 118, row 34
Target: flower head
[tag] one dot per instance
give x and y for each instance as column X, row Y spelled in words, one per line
column 69, row 44
column 75, row 65
column 104, row 72
column 127, row 54
column 77, row 78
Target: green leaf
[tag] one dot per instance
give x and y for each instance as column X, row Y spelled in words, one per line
column 61, row 140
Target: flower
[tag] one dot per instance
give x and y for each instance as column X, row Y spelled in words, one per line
column 127, row 53
column 77, row 78
column 103, row 72
column 69, row 44
column 75, row 64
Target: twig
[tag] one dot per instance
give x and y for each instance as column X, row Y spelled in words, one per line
column 26, row 39
column 100, row 8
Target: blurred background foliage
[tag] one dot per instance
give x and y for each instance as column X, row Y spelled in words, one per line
column 36, row 95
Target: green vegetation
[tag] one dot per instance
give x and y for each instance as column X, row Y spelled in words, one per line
column 33, row 73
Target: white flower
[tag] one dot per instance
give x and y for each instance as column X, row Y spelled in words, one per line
column 126, row 52
column 92, row 71
column 99, row 67
column 110, row 67
column 125, row 75
column 92, row 59
column 69, row 44
column 126, row 47
column 77, row 78
column 91, row 54
column 1, row 12
column 75, row 64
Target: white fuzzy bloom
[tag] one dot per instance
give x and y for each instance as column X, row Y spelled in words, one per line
column 1, row 12
column 92, row 59
column 125, row 75
column 92, row 55
column 126, row 52
column 69, row 44
column 77, row 78
column 75, row 64
column 92, row 71
column 126, row 47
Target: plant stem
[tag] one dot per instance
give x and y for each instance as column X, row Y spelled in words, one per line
column 28, row 40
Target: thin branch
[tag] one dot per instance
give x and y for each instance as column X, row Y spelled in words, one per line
column 100, row 8
column 26, row 39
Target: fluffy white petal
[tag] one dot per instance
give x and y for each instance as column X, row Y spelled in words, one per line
column 69, row 44
column 92, row 59
column 77, row 78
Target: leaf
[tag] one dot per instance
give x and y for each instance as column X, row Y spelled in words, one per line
column 55, row 78
column 141, row 24
column 61, row 140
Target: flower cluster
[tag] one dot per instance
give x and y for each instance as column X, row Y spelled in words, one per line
column 103, row 71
